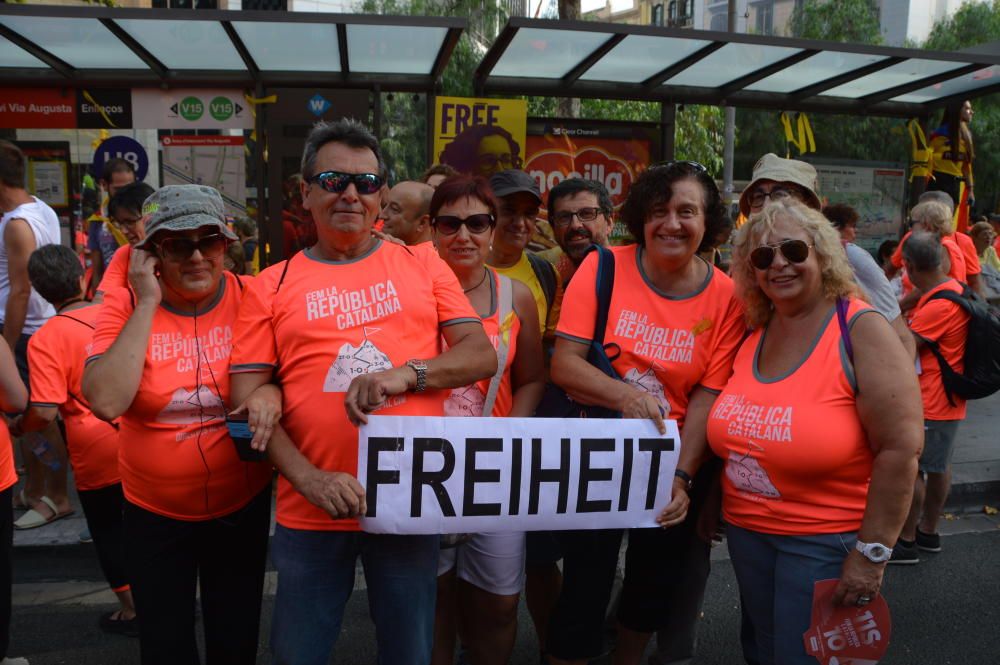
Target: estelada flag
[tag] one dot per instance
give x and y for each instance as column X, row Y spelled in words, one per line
column 842, row 635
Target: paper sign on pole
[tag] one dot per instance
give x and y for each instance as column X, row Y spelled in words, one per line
column 464, row 475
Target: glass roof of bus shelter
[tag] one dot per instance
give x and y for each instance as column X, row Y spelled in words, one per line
column 79, row 46
column 616, row 61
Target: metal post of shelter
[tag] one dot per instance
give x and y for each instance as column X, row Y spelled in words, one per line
column 259, row 157
column 429, row 143
column 668, row 122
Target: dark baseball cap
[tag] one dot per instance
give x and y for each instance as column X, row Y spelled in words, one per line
column 512, row 181
column 184, row 208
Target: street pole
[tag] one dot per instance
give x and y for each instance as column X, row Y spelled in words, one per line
column 729, row 131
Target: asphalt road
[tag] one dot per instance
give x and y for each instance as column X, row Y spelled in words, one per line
column 945, row 610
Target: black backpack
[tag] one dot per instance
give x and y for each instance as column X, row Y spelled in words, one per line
column 545, row 273
column 981, row 377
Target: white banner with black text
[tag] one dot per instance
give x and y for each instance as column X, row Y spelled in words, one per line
column 426, row 475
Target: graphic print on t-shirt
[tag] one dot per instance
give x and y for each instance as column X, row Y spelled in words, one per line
column 465, row 402
column 187, row 407
column 657, row 342
column 748, row 475
column 648, row 383
column 353, row 361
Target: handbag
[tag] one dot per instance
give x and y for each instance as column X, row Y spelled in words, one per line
column 555, row 402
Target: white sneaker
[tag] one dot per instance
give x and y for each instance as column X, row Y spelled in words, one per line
column 14, row 661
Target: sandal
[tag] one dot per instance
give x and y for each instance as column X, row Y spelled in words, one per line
column 119, row 626
column 34, row 519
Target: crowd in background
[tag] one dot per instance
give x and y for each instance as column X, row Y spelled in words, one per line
column 806, row 377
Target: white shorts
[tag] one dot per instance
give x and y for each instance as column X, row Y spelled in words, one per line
column 494, row 562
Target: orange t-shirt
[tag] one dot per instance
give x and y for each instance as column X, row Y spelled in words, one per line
column 320, row 324
column 669, row 345
column 8, row 474
column 798, row 461
column 56, row 355
column 958, row 268
column 175, row 454
column 470, row 400
column 947, row 324
column 116, row 274
column 969, row 253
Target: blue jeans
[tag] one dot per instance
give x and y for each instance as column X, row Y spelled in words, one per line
column 776, row 576
column 316, row 577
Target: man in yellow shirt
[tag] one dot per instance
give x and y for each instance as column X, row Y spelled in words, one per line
column 519, row 199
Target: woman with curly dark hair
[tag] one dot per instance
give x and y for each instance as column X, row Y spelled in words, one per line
column 675, row 323
column 482, row 150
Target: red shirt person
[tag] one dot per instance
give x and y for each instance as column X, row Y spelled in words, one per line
column 194, row 511
column 942, row 324
column 56, row 355
column 350, row 326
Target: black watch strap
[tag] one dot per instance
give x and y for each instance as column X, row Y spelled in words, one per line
column 685, row 476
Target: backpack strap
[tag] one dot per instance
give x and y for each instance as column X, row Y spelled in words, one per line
column 604, row 284
column 845, row 331
column 947, row 369
column 505, row 313
column 545, row 273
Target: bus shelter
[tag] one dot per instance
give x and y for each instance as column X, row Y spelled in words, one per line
column 272, row 74
column 683, row 66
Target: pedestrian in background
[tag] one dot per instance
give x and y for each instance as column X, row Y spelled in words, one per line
column 943, row 324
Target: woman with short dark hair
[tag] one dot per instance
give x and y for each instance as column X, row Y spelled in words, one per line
column 675, row 322
column 480, row 577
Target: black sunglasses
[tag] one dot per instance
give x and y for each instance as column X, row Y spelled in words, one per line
column 181, row 248
column 565, row 217
column 336, row 182
column 449, row 224
column 796, row 251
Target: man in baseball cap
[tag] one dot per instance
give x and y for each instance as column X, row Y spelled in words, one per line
column 519, row 198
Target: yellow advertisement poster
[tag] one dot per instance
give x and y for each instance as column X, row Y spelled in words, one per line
column 480, row 136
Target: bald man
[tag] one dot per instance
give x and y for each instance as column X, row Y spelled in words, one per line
column 406, row 212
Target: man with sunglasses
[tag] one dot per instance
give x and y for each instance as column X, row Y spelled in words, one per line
column 580, row 216
column 125, row 211
column 776, row 179
column 350, row 326
column 406, row 212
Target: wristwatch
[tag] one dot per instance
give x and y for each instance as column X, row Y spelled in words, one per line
column 686, row 477
column 420, row 367
column 874, row 552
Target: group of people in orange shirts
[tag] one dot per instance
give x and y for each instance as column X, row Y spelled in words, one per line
column 804, row 424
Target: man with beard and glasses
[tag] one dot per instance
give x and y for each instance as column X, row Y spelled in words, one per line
column 580, row 215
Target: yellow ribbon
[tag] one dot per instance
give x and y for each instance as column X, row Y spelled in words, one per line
column 102, row 136
column 920, row 153
column 506, row 326
column 100, row 109
column 805, row 142
column 253, row 102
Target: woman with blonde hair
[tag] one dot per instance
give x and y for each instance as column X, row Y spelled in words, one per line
column 819, row 427
column 931, row 217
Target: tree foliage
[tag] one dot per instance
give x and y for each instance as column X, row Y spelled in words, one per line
column 855, row 21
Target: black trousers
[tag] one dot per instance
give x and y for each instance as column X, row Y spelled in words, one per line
column 6, row 572
column 166, row 558
column 945, row 182
column 103, row 509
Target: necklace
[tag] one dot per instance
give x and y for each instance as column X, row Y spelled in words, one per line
column 485, row 274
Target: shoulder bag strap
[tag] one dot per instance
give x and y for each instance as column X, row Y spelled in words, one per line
column 505, row 313
column 604, row 285
column 845, row 331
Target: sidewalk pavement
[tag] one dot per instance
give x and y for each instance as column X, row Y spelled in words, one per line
column 975, row 477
